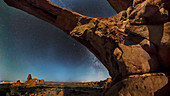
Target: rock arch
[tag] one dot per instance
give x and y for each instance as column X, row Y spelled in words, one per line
column 33, row 81
column 135, row 41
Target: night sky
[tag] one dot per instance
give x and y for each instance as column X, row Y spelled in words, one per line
column 30, row 45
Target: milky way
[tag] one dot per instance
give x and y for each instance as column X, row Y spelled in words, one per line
column 30, row 45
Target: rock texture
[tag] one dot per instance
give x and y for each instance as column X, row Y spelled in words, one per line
column 139, row 85
column 135, row 41
column 165, row 90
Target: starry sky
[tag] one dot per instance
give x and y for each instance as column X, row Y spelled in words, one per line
column 29, row 45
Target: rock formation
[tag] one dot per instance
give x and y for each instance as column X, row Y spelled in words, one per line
column 18, row 83
column 29, row 77
column 139, row 85
column 130, row 44
column 104, row 83
column 34, row 81
column 30, row 82
column 101, row 83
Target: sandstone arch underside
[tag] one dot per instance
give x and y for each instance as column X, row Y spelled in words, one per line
column 135, row 41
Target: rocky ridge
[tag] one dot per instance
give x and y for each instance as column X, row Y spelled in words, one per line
column 101, row 83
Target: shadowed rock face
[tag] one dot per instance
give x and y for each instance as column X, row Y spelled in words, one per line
column 135, row 41
column 29, row 77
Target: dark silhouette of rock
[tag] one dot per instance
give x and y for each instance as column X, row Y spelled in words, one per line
column 29, row 77
column 135, row 41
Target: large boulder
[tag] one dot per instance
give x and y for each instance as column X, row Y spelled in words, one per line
column 165, row 90
column 138, row 85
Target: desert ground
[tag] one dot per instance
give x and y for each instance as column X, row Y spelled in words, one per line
column 52, row 89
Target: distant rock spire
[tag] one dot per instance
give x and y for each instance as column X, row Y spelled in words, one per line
column 29, row 77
